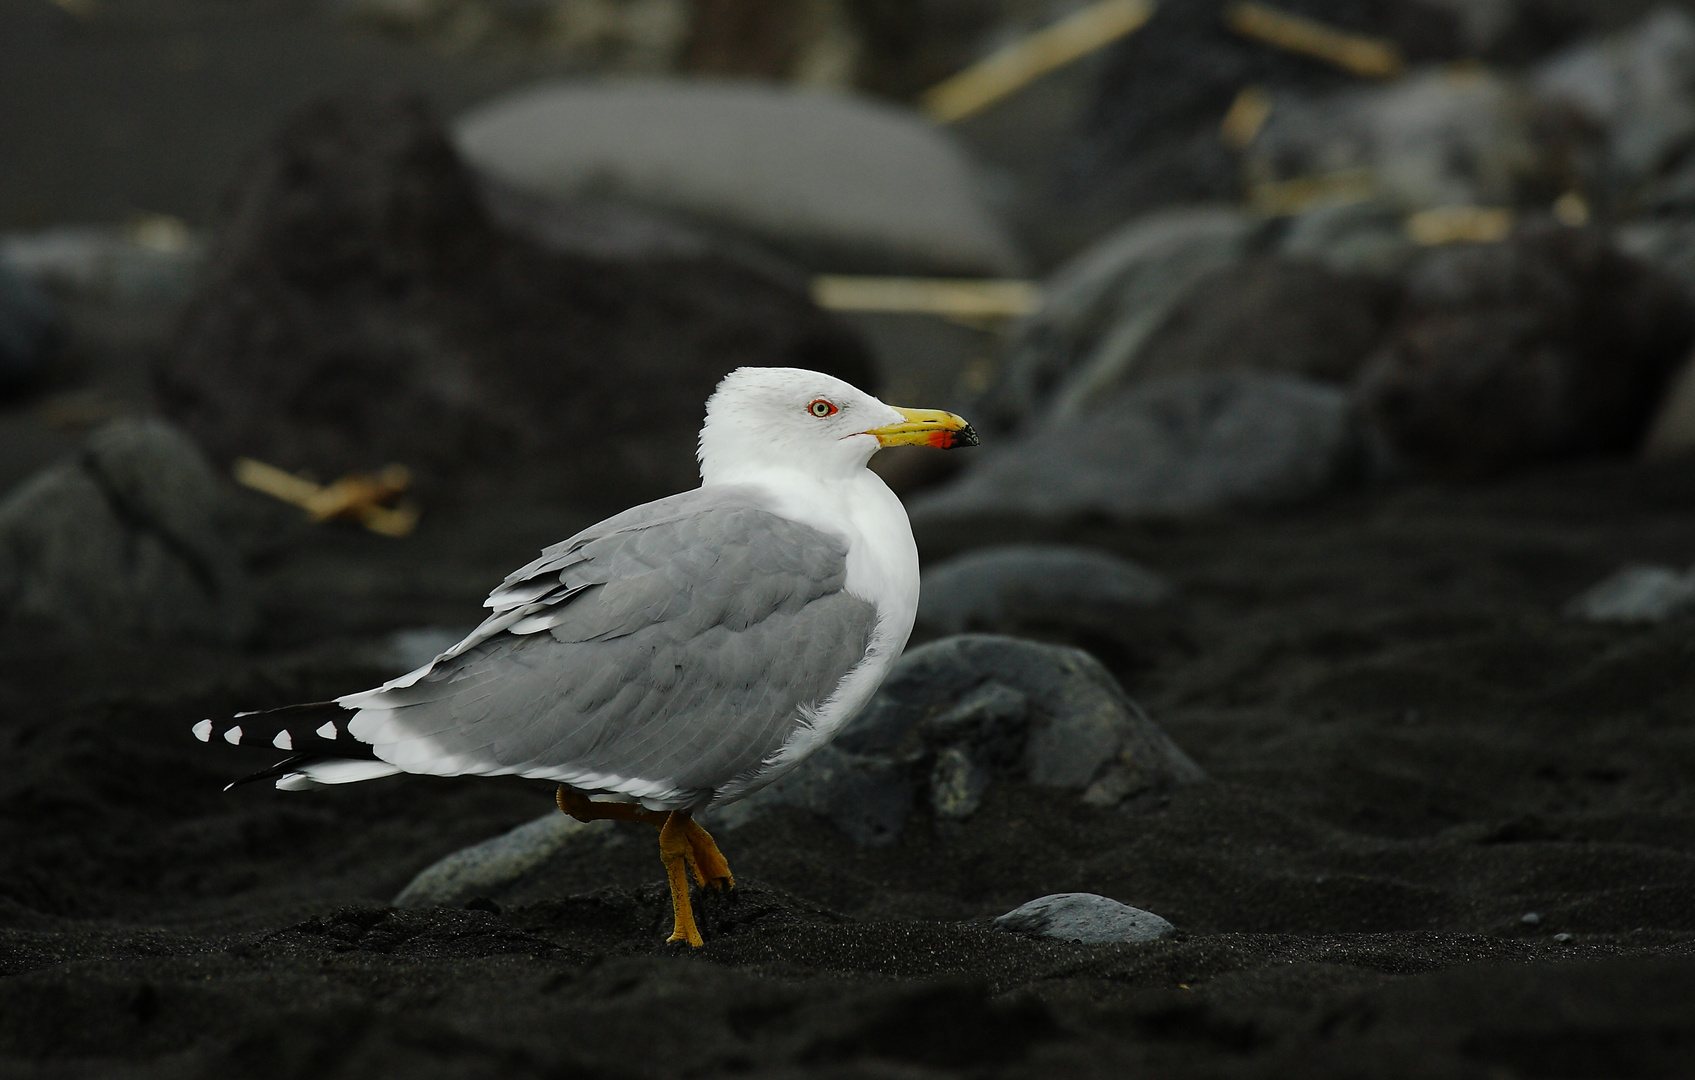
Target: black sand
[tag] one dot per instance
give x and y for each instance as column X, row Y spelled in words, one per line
column 1412, row 751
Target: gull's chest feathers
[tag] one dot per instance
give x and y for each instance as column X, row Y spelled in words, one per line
column 882, row 560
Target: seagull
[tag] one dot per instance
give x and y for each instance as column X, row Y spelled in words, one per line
column 675, row 657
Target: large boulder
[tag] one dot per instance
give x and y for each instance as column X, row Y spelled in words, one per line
column 1438, row 138
column 836, row 182
column 132, row 537
column 1271, row 313
column 1548, row 345
column 1197, row 290
column 1102, row 308
column 361, row 307
column 1151, row 135
column 1637, row 89
column 959, row 714
column 1167, row 448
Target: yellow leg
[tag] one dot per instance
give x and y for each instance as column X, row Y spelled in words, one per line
column 677, row 854
column 684, row 847
column 711, row 866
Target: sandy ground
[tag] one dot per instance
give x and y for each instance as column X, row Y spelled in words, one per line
column 1412, row 750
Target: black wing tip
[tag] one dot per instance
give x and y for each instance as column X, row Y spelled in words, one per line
column 280, row 769
column 318, row 728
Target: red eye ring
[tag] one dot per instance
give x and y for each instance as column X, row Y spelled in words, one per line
column 821, row 408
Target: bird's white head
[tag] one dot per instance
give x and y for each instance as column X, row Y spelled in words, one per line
column 760, row 419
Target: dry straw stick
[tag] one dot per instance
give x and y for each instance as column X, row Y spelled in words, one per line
column 1015, row 66
column 355, row 496
column 1373, row 58
column 953, row 298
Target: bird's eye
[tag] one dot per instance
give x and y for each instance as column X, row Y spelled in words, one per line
column 821, row 408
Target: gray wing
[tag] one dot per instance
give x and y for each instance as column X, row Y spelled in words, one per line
column 662, row 654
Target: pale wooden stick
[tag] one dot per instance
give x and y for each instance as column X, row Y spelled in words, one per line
column 1460, row 225
column 954, row 298
column 1009, row 69
column 352, row 496
column 1371, row 57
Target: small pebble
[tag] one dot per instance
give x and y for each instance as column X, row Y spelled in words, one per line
column 1084, row 918
column 1562, row 938
column 1530, row 918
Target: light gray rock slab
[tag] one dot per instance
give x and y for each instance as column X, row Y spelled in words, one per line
column 1166, row 449
column 837, row 182
column 132, row 537
column 1638, row 594
column 982, row 589
column 1086, row 918
column 486, row 867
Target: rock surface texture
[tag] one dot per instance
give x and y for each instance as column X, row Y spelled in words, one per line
column 1084, row 918
column 986, row 589
column 131, row 537
column 1167, row 448
column 1552, row 344
column 362, row 308
column 960, row 713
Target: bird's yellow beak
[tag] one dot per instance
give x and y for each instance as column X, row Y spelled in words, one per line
column 926, row 427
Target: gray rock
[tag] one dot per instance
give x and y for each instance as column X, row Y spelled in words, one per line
column 1085, row 918
column 957, row 783
column 156, row 262
column 1167, row 448
column 836, row 182
column 958, row 714
column 486, row 867
column 867, row 796
column 1368, row 237
column 1436, row 138
column 987, row 588
column 1638, row 86
column 1673, row 429
column 131, row 537
column 1639, row 594
column 1550, row 344
column 1275, row 314
column 1102, row 307
column 30, row 331
column 1666, row 244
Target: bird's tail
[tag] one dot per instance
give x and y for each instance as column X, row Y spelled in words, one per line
column 323, row 750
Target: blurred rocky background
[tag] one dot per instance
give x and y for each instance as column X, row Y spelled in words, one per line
column 1333, row 365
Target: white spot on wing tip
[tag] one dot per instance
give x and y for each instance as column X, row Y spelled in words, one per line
column 233, row 735
column 203, row 731
column 283, row 741
column 327, row 731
